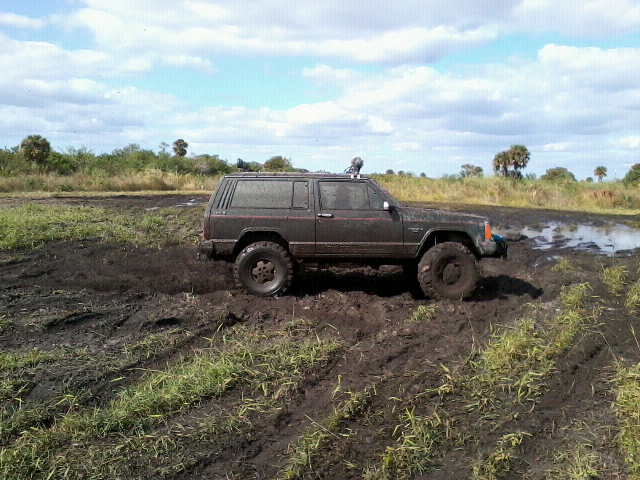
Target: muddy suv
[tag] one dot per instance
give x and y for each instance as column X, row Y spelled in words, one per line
column 269, row 224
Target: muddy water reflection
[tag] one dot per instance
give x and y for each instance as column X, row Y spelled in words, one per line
column 607, row 239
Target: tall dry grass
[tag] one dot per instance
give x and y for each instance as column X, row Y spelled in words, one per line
column 155, row 180
column 606, row 197
column 609, row 197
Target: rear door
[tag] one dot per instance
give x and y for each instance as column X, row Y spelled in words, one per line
column 351, row 221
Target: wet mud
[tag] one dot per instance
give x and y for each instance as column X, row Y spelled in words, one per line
column 97, row 297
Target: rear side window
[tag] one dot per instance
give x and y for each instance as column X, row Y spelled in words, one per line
column 270, row 194
column 300, row 195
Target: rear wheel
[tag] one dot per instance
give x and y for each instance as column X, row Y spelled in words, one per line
column 264, row 269
column 448, row 270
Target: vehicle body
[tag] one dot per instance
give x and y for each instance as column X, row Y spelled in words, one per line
column 267, row 223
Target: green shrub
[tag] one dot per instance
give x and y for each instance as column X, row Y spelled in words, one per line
column 633, row 175
column 175, row 164
column 60, row 163
column 558, row 174
column 212, row 165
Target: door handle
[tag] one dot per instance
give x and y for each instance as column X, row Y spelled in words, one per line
column 326, row 215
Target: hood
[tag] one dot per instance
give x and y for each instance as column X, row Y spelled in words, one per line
column 414, row 213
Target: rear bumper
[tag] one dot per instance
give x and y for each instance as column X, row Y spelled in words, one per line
column 206, row 248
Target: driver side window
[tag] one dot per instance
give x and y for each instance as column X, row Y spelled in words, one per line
column 347, row 196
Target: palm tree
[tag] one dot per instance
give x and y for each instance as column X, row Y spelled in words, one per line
column 517, row 158
column 180, row 147
column 501, row 163
column 600, row 172
column 35, row 148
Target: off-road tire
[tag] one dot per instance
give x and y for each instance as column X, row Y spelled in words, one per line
column 264, row 269
column 448, row 270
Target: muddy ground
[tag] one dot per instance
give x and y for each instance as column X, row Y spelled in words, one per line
column 98, row 297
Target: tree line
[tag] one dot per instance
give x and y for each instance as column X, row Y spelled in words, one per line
column 35, row 155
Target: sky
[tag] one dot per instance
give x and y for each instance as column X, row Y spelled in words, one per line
column 418, row 86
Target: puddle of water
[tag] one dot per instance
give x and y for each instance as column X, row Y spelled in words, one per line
column 607, row 239
column 191, row 203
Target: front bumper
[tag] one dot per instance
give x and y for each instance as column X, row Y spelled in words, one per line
column 496, row 247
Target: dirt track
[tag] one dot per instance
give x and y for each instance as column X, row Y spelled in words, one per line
column 98, row 297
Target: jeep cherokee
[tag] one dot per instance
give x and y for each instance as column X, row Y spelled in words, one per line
column 268, row 223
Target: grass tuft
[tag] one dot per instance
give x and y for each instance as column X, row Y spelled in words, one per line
column 500, row 461
column 633, row 298
column 305, row 451
column 614, row 278
column 580, row 463
column 417, row 447
column 424, row 313
column 626, row 382
column 562, row 266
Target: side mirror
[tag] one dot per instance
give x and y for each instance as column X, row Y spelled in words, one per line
column 385, row 206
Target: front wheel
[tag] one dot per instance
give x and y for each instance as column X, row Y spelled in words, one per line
column 264, row 269
column 448, row 270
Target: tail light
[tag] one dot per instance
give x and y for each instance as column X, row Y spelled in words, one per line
column 487, row 231
column 205, row 228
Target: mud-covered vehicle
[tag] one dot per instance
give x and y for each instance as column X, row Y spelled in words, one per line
column 269, row 224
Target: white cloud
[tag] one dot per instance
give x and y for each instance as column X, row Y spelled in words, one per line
column 379, row 125
column 567, row 102
column 323, row 75
column 187, row 61
column 20, row 21
column 580, row 18
column 630, row 142
column 557, row 147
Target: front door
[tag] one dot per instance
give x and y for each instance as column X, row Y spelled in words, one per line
column 351, row 221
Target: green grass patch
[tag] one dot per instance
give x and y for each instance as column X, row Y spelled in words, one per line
column 626, row 384
column 32, row 225
column 303, row 453
column 579, row 463
column 154, row 344
column 509, row 371
column 245, row 358
column 10, row 361
column 499, row 462
column 416, row 448
column 519, row 357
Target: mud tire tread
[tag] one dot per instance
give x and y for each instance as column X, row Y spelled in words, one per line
column 275, row 253
column 429, row 265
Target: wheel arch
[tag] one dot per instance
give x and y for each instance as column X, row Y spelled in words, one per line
column 436, row 237
column 252, row 236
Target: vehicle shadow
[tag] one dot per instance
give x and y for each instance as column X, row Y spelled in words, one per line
column 499, row 287
column 383, row 282
column 390, row 282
